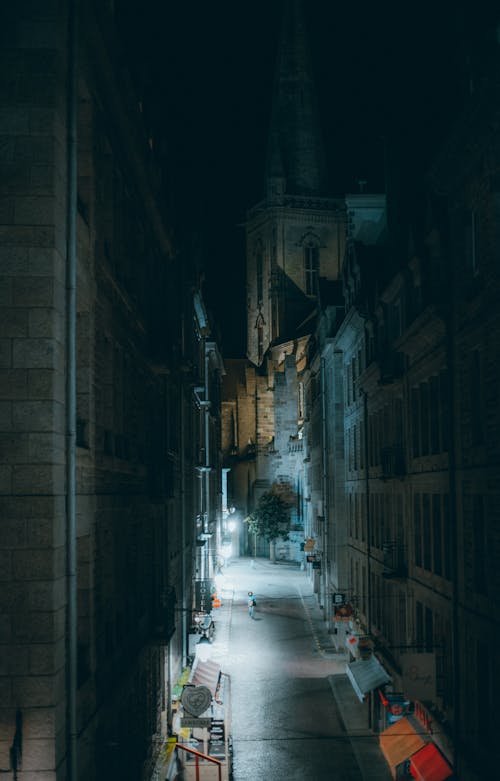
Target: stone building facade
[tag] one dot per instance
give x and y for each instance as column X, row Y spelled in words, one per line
column 98, row 497
column 295, row 240
column 395, row 408
column 416, row 382
column 465, row 245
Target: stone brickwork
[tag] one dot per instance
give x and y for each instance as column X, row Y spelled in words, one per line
column 32, row 366
column 281, row 297
column 128, row 505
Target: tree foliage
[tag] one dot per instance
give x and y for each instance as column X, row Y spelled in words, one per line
column 271, row 517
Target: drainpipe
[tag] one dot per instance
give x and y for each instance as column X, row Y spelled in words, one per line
column 183, row 511
column 206, row 548
column 367, row 505
column 71, row 552
column 324, row 454
column 371, row 705
column 452, row 482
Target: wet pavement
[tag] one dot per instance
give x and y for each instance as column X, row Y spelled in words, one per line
column 294, row 713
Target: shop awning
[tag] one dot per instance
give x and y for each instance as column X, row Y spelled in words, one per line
column 365, row 675
column 428, row 764
column 206, row 674
column 399, row 742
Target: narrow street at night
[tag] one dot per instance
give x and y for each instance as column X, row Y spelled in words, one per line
column 286, row 722
column 249, row 349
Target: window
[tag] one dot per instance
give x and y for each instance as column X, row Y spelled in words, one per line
column 259, row 270
column 362, row 512
column 402, row 619
column 415, row 420
column 423, row 628
column 419, row 625
column 355, row 446
column 471, row 242
column 429, row 631
column 436, row 534
column 311, row 267
column 82, row 439
column 444, row 417
column 300, row 401
column 260, row 342
column 434, row 413
column 417, row 522
column 372, row 516
column 426, row 519
column 424, row 421
column 446, row 537
column 475, row 398
column 479, row 552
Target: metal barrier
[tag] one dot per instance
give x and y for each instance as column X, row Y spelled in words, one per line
column 197, row 755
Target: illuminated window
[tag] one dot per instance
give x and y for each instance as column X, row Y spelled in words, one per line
column 260, row 342
column 300, row 401
column 311, row 267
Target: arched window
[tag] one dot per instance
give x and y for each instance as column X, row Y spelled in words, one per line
column 260, row 337
column 311, row 265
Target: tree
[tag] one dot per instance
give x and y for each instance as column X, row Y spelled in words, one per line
column 271, row 517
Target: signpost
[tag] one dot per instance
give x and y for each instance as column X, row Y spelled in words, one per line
column 193, row 723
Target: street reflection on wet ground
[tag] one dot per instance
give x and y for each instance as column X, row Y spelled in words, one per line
column 285, row 722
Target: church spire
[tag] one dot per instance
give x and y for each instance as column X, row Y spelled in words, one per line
column 295, row 155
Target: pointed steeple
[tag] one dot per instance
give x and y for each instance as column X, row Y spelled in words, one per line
column 295, row 156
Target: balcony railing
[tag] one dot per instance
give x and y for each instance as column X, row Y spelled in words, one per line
column 295, row 446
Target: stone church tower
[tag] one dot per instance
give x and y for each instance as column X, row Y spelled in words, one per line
column 295, row 240
column 295, row 236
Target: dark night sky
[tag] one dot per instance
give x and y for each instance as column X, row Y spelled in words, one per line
column 384, row 70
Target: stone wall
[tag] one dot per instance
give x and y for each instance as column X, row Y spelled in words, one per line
column 32, row 370
column 128, row 554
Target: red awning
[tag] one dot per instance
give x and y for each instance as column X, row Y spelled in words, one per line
column 428, row 764
column 398, row 742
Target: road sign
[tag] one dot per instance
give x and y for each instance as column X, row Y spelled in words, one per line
column 188, row 721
